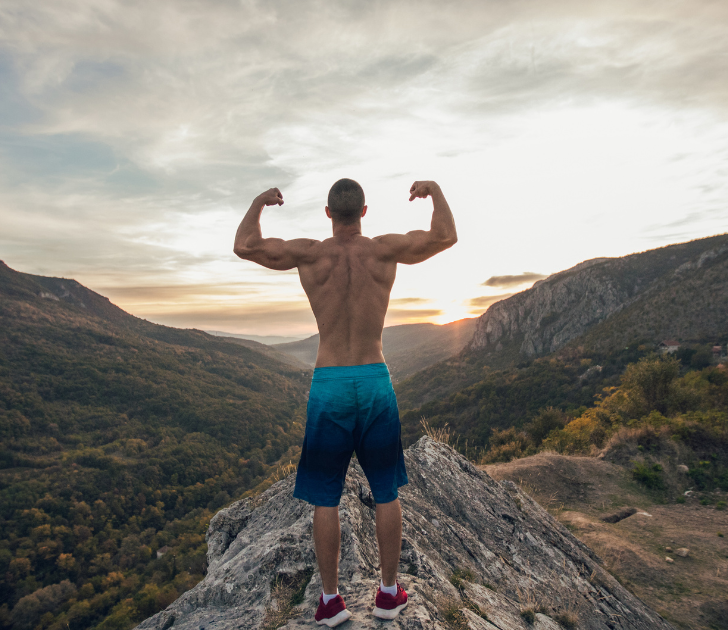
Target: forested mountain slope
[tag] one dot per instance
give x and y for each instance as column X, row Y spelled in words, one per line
column 117, row 438
column 595, row 311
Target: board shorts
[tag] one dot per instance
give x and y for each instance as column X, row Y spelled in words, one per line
column 351, row 409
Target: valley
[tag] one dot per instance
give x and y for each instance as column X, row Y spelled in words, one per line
column 120, row 439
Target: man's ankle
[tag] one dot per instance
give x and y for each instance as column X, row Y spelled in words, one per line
column 390, row 590
column 328, row 598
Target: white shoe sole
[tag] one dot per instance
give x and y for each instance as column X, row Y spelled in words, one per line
column 336, row 619
column 382, row 613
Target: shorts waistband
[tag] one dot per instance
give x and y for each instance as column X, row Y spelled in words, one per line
column 368, row 370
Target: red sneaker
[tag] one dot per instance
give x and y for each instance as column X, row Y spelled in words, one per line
column 333, row 613
column 388, row 606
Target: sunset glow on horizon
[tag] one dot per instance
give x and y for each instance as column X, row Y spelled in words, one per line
column 133, row 138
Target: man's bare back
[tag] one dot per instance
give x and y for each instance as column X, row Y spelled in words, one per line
column 348, row 277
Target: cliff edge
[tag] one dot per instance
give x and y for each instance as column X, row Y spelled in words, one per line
column 476, row 554
column 679, row 291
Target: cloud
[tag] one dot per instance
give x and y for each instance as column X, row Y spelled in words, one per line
column 485, row 301
column 408, row 300
column 512, row 281
column 133, row 135
column 252, row 318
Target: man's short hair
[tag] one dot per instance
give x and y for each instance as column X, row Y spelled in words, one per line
column 346, row 201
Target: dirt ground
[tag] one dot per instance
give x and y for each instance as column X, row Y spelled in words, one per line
column 691, row 592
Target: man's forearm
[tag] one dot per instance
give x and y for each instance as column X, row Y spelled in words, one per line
column 443, row 223
column 249, row 229
column 249, row 234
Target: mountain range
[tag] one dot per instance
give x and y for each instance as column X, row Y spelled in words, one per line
column 120, row 438
column 607, row 311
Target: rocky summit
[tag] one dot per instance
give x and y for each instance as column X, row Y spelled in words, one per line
column 679, row 291
column 476, row 554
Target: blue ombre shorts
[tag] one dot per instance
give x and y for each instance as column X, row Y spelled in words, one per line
column 351, row 409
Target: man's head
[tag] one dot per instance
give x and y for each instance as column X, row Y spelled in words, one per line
column 346, row 202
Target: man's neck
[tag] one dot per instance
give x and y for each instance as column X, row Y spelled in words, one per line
column 347, row 231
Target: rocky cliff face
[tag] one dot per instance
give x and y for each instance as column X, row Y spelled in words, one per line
column 566, row 305
column 476, row 554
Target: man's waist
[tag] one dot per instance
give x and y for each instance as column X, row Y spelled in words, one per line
column 366, row 370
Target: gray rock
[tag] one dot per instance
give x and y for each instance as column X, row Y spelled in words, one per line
column 568, row 304
column 683, row 552
column 509, row 555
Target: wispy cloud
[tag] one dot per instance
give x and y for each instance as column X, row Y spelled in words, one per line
column 133, row 135
column 513, row 281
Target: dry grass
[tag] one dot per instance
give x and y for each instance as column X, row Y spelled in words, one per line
column 530, row 605
column 442, row 434
column 451, row 610
column 286, row 593
column 283, row 471
column 567, row 618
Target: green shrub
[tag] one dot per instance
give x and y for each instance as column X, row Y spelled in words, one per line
column 528, row 615
column 649, row 476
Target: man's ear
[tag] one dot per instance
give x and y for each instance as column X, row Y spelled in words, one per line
column 363, row 211
column 328, row 212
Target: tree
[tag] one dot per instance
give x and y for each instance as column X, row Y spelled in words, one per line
column 648, row 385
column 546, row 420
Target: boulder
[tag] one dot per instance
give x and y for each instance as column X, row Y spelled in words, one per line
column 475, row 554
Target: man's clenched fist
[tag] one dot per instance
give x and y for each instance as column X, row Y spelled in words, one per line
column 422, row 189
column 271, row 197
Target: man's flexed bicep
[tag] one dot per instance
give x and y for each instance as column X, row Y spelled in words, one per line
column 273, row 253
column 419, row 245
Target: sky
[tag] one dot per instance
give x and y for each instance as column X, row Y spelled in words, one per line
column 135, row 135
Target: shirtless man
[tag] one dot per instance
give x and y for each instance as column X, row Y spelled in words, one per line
column 352, row 406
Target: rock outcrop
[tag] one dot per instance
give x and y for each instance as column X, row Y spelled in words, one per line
column 476, row 554
column 566, row 305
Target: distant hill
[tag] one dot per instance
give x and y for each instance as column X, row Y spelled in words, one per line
column 268, row 340
column 408, row 348
column 118, row 440
column 265, row 349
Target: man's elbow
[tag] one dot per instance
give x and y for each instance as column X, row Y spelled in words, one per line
column 241, row 252
column 449, row 240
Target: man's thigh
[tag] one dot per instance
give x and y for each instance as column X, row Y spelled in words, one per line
column 378, row 439
column 328, row 442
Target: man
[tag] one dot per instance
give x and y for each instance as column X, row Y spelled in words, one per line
column 352, row 406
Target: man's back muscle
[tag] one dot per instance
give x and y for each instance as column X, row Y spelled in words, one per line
column 348, row 277
column 348, row 282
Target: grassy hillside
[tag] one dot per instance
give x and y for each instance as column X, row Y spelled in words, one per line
column 633, row 529
column 407, row 348
column 118, row 438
